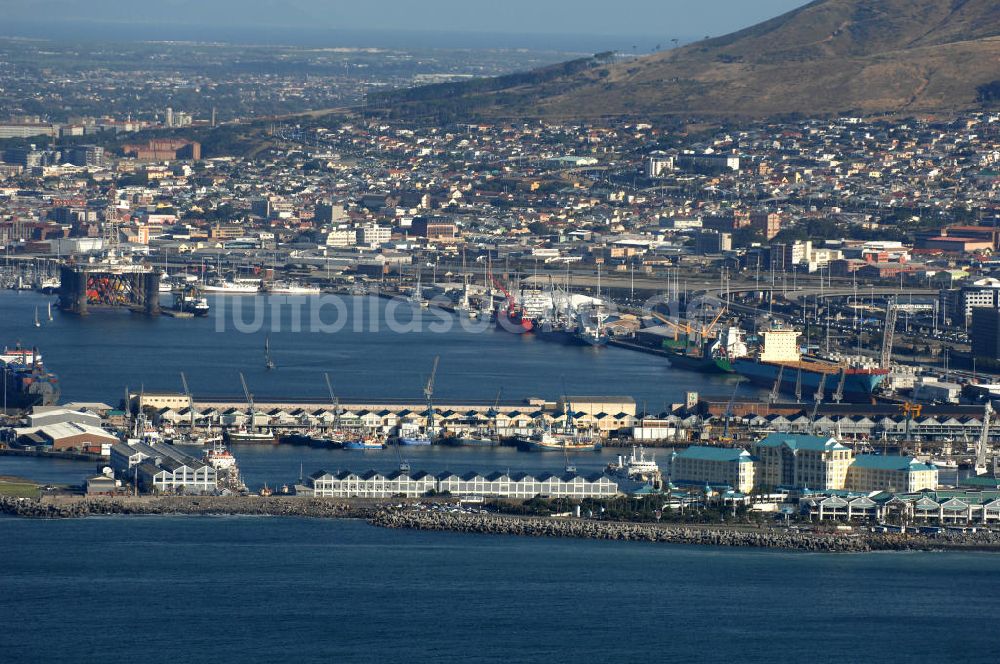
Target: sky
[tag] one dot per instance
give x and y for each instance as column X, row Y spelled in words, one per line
column 685, row 19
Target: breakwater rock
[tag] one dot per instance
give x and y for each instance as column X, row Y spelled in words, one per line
column 75, row 507
column 708, row 536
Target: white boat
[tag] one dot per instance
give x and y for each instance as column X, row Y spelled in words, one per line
column 946, row 464
column 635, row 466
column 291, row 288
column 37, row 323
column 220, row 458
column 233, row 287
column 245, row 435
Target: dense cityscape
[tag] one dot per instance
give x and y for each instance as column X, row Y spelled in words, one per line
column 767, row 332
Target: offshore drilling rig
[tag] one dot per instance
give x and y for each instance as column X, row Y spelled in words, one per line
column 111, row 282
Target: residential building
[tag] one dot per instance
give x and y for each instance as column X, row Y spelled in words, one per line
column 802, row 461
column 871, row 472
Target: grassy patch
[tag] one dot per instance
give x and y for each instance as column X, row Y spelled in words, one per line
column 19, row 489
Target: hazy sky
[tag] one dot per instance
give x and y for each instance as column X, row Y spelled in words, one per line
column 667, row 18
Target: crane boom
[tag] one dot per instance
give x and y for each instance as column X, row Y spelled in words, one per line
column 428, row 393
column 984, row 439
column 838, row 396
column 819, row 398
column 187, row 393
column 891, row 315
column 246, row 391
column 777, row 384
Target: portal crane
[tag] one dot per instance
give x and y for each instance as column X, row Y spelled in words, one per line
column 246, row 391
column 838, row 395
column 428, row 394
column 819, row 398
column 777, row 384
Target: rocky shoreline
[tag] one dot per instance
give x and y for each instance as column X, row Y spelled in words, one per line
column 377, row 514
column 706, row 536
column 69, row 508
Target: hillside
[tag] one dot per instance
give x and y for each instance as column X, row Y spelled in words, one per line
column 828, row 57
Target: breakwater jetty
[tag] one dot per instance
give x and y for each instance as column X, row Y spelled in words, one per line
column 494, row 524
column 78, row 507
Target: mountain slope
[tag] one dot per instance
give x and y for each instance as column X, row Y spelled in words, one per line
column 830, row 56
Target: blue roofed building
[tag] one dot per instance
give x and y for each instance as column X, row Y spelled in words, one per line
column 702, row 465
column 870, row 472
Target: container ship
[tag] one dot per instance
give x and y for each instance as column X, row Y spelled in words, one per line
column 779, row 356
column 26, row 381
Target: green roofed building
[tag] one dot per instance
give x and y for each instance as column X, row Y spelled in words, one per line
column 714, row 465
column 871, row 472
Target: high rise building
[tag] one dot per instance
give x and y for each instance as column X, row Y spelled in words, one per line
column 985, row 335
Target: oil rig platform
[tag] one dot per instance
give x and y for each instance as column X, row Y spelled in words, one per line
column 90, row 286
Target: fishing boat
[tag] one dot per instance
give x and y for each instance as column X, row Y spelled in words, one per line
column 415, row 440
column 474, row 438
column 249, row 435
column 366, row 442
column 548, row 441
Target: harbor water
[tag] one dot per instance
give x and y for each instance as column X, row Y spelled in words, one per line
column 97, row 356
column 207, row 589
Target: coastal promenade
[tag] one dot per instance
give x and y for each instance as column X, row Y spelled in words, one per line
column 383, row 515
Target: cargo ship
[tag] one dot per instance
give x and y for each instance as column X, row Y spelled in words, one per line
column 779, row 356
column 713, row 355
column 27, row 383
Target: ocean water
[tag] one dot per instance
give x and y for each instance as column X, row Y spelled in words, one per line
column 206, row 589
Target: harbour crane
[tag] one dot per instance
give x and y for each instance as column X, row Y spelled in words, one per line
column 888, row 334
column 838, row 395
column 819, row 399
column 428, row 394
column 984, row 438
column 334, row 401
column 729, row 412
column 911, row 410
column 187, row 393
column 773, row 398
column 246, row 391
